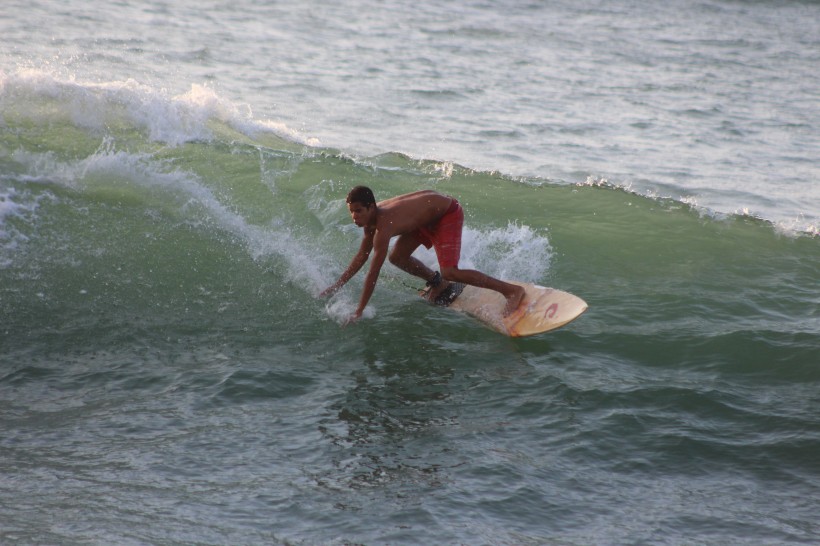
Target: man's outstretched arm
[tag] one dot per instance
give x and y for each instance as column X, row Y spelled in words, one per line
column 379, row 256
column 355, row 265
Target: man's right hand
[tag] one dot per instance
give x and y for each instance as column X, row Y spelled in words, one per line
column 329, row 291
column 352, row 319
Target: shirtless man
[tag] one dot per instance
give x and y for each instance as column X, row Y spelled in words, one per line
column 423, row 217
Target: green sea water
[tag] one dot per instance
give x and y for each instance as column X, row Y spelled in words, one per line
column 169, row 375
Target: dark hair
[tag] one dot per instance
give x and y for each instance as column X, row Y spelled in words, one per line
column 361, row 194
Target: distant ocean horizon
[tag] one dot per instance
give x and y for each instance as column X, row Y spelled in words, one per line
column 172, row 182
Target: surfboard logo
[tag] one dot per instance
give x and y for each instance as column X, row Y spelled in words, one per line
column 551, row 311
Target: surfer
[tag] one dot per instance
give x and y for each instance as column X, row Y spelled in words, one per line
column 420, row 218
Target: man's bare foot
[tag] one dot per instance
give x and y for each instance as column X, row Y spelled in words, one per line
column 514, row 301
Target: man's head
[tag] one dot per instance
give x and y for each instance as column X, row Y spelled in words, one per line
column 361, row 194
column 362, row 205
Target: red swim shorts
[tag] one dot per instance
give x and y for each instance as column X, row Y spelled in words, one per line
column 445, row 236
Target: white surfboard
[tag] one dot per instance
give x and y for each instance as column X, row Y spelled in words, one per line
column 543, row 309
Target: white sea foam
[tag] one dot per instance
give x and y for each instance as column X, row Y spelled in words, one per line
column 20, row 205
column 105, row 162
column 8, row 207
column 341, row 307
column 162, row 116
column 516, row 252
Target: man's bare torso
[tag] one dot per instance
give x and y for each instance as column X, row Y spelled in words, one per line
column 407, row 213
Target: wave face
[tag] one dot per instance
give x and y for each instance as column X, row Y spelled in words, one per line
column 160, row 258
column 119, row 193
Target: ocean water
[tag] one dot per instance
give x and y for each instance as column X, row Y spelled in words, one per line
column 172, row 182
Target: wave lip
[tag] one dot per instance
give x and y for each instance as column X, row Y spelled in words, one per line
column 163, row 117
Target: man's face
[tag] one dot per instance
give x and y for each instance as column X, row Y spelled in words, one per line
column 359, row 213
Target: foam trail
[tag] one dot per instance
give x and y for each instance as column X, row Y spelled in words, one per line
column 193, row 198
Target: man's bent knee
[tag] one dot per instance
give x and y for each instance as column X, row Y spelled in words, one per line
column 397, row 257
column 394, row 258
column 449, row 273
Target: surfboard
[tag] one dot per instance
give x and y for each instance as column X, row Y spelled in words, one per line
column 543, row 309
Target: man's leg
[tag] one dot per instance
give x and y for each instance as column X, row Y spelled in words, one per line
column 401, row 257
column 512, row 292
